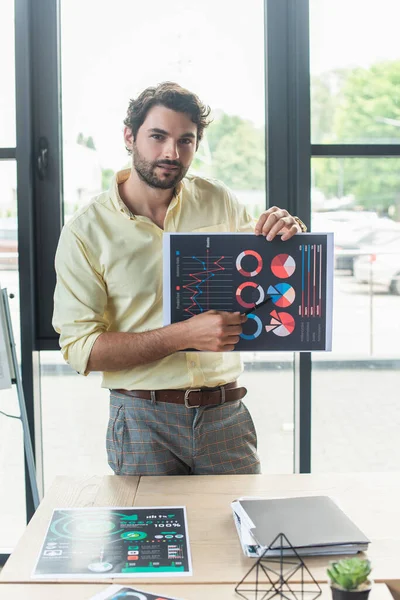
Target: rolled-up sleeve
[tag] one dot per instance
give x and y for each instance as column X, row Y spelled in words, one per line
column 80, row 300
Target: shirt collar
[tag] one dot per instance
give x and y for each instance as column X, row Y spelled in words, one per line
column 117, row 201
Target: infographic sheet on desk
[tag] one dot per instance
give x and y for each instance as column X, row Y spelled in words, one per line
column 107, row 542
column 234, row 271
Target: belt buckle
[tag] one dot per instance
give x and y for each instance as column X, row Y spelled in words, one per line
column 186, row 398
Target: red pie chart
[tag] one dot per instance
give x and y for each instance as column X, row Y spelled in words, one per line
column 283, row 265
column 281, row 324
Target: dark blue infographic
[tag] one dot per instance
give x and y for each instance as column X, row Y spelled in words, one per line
column 285, row 288
column 104, row 542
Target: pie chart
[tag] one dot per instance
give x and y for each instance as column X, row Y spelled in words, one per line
column 282, row 294
column 281, row 324
column 283, row 265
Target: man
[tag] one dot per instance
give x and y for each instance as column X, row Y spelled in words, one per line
column 172, row 412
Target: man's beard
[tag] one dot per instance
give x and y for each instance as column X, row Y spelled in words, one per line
column 147, row 171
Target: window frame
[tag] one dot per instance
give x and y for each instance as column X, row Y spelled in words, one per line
column 40, row 201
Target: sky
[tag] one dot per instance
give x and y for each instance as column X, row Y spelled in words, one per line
column 113, row 50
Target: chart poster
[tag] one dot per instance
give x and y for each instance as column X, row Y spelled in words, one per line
column 109, row 542
column 119, row 592
column 234, row 271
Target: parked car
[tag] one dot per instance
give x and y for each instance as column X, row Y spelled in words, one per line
column 344, row 224
column 384, row 232
column 381, row 264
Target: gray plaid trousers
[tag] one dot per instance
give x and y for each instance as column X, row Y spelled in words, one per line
column 160, row 438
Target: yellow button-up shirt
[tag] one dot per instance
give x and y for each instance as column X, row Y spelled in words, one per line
column 109, row 278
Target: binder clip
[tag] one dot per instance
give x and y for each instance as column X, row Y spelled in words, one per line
column 279, row 572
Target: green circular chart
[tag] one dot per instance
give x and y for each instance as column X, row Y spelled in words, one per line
column 133, row 535
column 98, row 525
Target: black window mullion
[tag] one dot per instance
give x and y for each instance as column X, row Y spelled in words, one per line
column 288, row 106
column 373, row 150
column 289, row 155
column 39, row 196
column 277, row 126
column 8, row 153
column 26, row 240
column 46, row 99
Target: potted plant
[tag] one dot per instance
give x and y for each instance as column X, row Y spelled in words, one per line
column 349, row 579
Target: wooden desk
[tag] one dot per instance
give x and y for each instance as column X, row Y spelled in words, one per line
column 372, row 500
column 85, row 591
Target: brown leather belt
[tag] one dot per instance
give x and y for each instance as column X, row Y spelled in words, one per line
column 192, row 397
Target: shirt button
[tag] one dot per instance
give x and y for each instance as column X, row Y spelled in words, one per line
column 193, row 364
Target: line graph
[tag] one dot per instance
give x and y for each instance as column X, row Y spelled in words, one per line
column 197, row 273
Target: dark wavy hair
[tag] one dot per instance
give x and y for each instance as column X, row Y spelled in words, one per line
column 173, row 96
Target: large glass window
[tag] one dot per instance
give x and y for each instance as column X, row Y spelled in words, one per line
column 355, row 99
column 222, row 60
column 12, row 494
column 355, row 66
column 7, row 75
column 74, row 420
column 356, row 414
column 358, row 199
